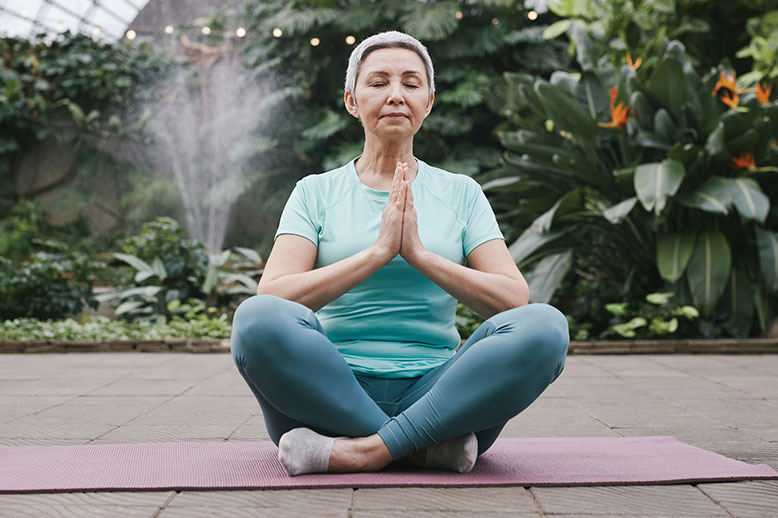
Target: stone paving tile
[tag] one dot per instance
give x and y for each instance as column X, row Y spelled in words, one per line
column 513, row 499
column 94, row 414
column 28, row 441
column 322, row 498
column 162, row 433
column 374, row 513
column 183, row 366
column 76, row 511
column 118, row 498
column 230, row 384
column 253, row 512
column 754, row 499
column 54, row 430
column 556, row 427
column 671, row 501
column 88, row 400
column 56, row 387
column 144, row 388
column 14, row 407
column 252, row 430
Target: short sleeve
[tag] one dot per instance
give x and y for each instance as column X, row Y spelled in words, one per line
column 300, row 215
column 481, row 223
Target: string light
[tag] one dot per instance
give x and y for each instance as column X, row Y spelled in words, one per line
column 460, row 15
column 131, row 34
column 60, row 27
column 240, row 32
column 315, row 42
column 96, row 31
column 278, row 32
column 169, row 29
column 206, row 30
column 495, row 21
column 25, row 14
column 350, row 40
column 532, row 15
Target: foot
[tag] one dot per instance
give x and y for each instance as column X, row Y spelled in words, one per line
column 457, row 454
column 304, row 451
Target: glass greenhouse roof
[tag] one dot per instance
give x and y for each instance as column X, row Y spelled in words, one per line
column 101, row 18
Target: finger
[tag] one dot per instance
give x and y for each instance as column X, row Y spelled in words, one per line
column 396, row 181
column 401, row 194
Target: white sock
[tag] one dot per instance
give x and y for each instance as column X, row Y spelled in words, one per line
column 304, row 451
column 455, row 454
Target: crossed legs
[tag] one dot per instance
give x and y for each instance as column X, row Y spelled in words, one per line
column 301, row 380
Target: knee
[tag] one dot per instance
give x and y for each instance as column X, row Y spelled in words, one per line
column 257, row 322
column 544, row 333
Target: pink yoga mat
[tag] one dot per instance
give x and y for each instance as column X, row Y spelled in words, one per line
column 562, row 461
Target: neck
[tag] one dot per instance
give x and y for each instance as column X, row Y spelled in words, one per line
column 379, row 160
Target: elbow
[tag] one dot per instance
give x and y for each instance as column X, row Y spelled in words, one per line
column 520, row 294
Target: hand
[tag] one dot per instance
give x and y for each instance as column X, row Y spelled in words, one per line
column 411, row 246
column 390, row 234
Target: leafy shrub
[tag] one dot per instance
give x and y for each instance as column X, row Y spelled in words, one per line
column 169, row 274
column 103, row 328
column 51, row 285
column 655, row 317
column 25, row 224
column 646, row 181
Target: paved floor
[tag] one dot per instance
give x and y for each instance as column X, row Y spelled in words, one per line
column 727, row 404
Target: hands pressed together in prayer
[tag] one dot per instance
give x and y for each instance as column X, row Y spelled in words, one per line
column 399, row 232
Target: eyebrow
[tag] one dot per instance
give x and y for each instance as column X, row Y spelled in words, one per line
column 406, row 73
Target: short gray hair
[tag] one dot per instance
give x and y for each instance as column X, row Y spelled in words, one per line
column 387, row 40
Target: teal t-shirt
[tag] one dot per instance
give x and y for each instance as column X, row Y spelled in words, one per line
column 397, row 323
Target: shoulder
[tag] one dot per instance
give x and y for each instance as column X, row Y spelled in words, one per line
column 453, row 186
column 326, row 186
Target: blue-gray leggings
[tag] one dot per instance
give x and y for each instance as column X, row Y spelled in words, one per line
column 300, row 378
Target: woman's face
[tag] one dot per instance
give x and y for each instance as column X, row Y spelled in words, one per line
column 391, row 95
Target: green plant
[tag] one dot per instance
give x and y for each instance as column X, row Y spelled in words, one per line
column 467, row 321
column 103, row 328
column 52, row 284
column 615, row 27
column 654, row 317
column 762, row 49
column 72, row 87
column 470, row 42
column 645, row 182
column 166, row 269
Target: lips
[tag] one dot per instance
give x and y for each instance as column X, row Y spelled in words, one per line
column 394, row 115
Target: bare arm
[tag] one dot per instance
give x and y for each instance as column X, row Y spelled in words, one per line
column 289, row 271
column 490, row 284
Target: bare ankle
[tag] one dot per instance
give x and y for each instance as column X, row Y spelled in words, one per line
column 359, row 454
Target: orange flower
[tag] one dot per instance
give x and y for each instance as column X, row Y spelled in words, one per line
column 725, row 81
column 619, row 113
column 634, row 65
column 763, row 93
column 743, row 161
column 731, row 100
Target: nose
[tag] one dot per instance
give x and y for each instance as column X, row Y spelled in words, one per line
column 395, row 94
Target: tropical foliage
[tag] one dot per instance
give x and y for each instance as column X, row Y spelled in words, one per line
column 647, row 181
column 171, row 275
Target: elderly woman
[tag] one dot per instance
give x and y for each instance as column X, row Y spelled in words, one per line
column 350, row 345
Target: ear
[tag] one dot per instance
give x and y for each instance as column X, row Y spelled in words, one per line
column 428, row 109
column 351, row 104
